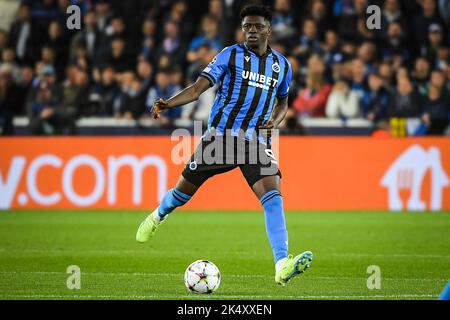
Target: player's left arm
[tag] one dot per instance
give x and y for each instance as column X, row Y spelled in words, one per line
column 278, row 113
column 281, row 105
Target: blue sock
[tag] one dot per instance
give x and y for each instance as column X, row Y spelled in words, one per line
column 445, row 295
column 275, row 223
column 172, row 200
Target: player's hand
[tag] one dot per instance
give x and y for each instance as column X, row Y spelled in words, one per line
column 269, row 125
column 267, row 128
column 158, row 107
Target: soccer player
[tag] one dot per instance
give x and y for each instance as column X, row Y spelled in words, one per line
column 252, row 101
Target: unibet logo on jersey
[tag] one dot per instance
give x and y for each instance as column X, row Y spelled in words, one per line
column 259, row 80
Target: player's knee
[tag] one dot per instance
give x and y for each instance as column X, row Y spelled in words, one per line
column 272, row 197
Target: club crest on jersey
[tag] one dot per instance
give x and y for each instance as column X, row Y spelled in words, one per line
column 193, row 165
column 276, row 67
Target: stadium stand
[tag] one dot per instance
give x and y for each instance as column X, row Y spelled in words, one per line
column 347, row 79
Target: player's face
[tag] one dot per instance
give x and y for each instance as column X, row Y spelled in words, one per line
column 256, row 31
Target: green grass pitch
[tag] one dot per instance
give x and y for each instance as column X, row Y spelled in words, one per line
column 36, row 247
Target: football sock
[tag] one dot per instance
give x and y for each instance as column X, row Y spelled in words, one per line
column 173, row 199
column 275, row 224
column 445, row 295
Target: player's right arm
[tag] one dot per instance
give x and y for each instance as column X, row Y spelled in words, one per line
column 191, row 93
column 208, row 78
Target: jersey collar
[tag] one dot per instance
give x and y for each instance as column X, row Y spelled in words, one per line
column 269, row 51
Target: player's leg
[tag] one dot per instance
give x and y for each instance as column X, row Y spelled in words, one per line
column 192, row 178
column 267, row 189
column 174, row 198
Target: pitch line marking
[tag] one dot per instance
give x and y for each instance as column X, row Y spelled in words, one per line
column 347, row 254
column 149, row 274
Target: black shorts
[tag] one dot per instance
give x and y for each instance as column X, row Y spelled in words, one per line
column 218, row 154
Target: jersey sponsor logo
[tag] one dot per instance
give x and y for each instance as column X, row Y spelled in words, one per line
column 247, row 58
column 259, row 80
column 213, row 61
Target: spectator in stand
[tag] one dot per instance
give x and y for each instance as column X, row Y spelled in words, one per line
column 8, row 57
column 376, row 100
column 437, row 105
column 309, row 41
column 104, row 94
column 209, row 36
column 283, row 22
column 58, row 43
column 134, row 105
column 74, row 97
column 430, row 49
column 318, row 11
column 216, row 10
column 179, row 15
column 352, row 27
column 116, row 29
column 297, row 80
column 144, row 72
column 405, row 101
column 149, row 39
column 172, row 45
column 24, row 87
column 420, row 76
column 134, row 108
column 330, row 49
column 164, row 89
column 22, row 35
column 204, row 55
column 104, row 15
column 43, row 12
column 81, row 58
column 8, row 100
column 42, row 115
column 387, row 74
column 118, row 58
column 394, row 42
column 358, row 77
column 392, row 14
column 421, row 24
column 121, row 103
column 89, row 37
column 45, row 75
column 312, row 100
column 343, row 103
column 367, row 52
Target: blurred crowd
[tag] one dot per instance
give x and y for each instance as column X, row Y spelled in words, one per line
column 130, row 53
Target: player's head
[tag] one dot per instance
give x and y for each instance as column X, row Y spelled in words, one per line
column 256, row 24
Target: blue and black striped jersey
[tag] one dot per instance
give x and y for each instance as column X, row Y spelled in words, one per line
column 249, row 84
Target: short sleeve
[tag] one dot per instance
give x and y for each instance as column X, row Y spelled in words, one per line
column 217, row 67
column 283, row 88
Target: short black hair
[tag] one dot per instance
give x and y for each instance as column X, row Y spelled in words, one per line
column 257, row 10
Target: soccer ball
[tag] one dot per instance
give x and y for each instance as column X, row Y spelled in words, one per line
column 202, row 276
